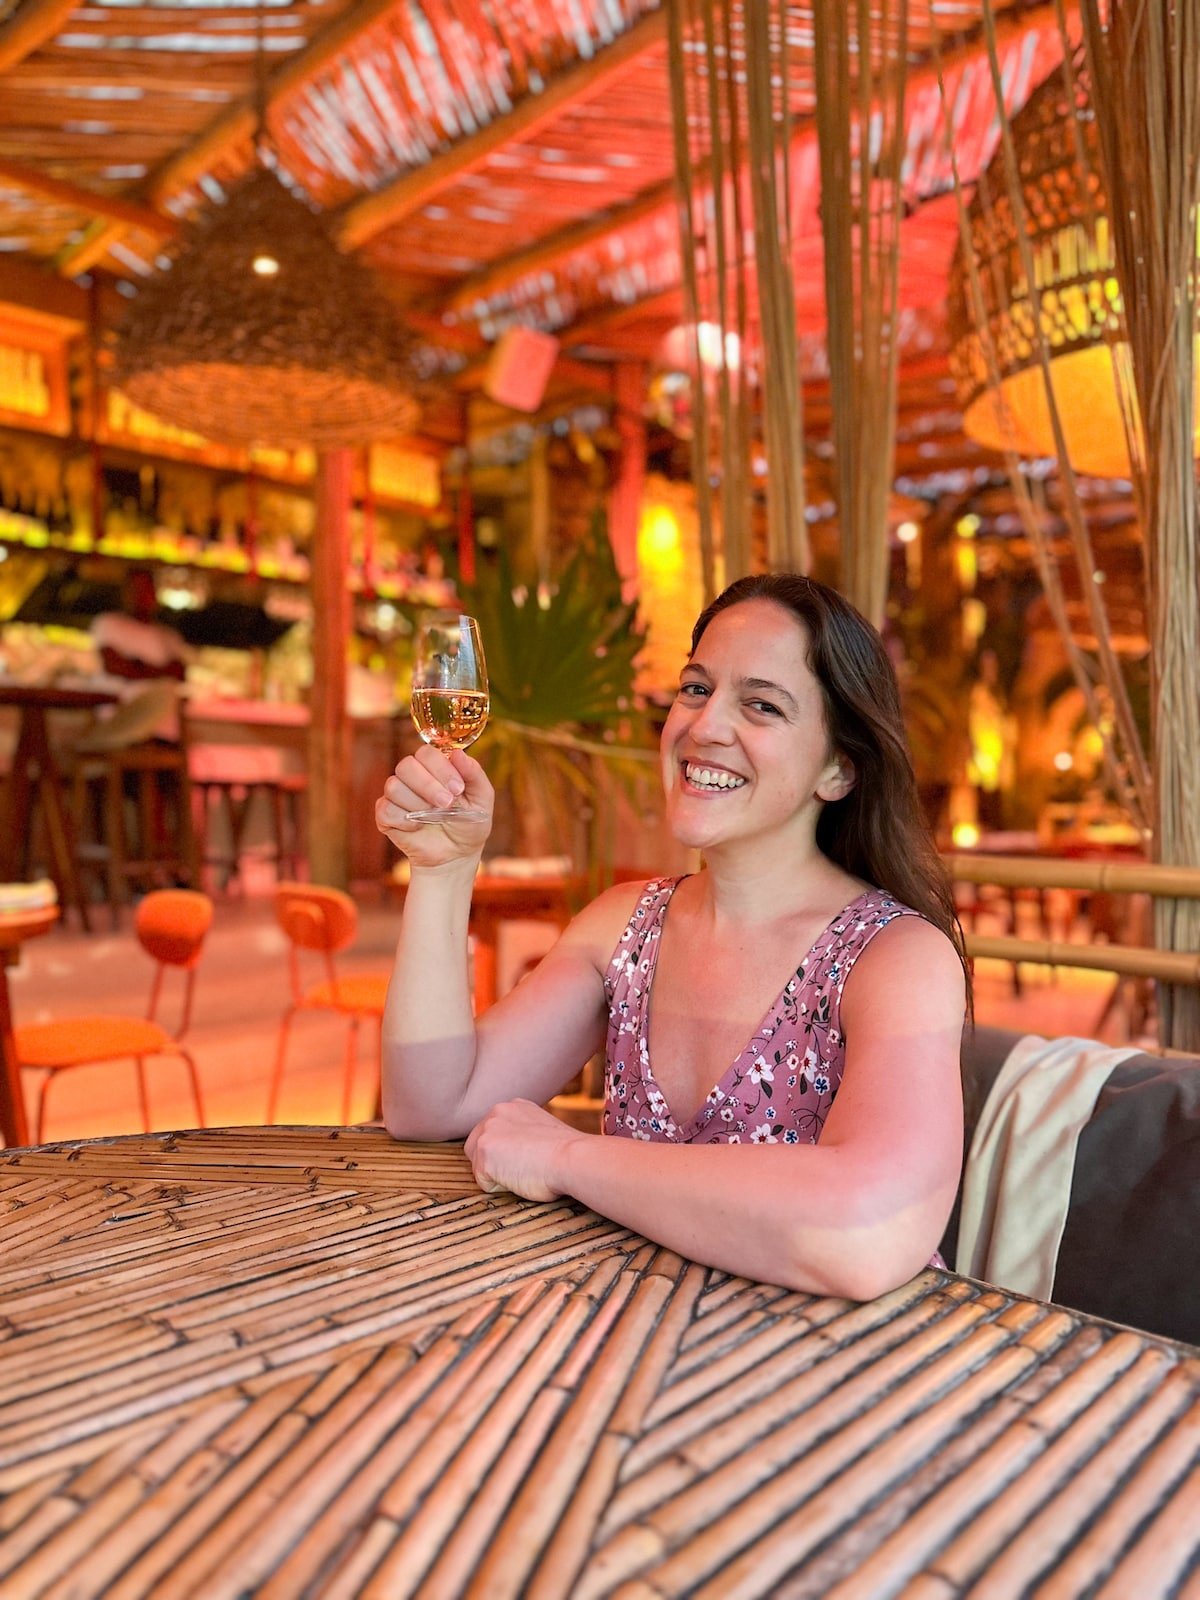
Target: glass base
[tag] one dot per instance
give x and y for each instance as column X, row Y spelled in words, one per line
column 449, row 814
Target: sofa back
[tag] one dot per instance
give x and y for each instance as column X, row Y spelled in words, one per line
column 1130, row 1246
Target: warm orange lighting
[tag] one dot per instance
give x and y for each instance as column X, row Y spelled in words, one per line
column 966, row 564
column 1061, row 292
column 659, row 541
column 670, row 588
column 1064, row 761
column 1018, row 418
column 907, row 532
column 266, row 266
column 965, row 835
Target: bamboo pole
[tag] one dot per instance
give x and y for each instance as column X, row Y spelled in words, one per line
column 860, row 137
column 1042, row 872
column 1166, row 966
column 329, row 764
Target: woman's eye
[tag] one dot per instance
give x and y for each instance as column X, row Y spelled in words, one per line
column 765, row 706
column 692, row 691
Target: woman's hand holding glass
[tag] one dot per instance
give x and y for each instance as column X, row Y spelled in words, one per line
column 433, row 779
column 450, row 701
column 441, row 792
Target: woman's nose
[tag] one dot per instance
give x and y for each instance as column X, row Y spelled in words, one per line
column 714, row 724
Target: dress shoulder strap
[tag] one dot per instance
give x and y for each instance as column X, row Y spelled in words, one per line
column 645, row 920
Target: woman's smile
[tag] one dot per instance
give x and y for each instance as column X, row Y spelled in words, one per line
column 708, row 778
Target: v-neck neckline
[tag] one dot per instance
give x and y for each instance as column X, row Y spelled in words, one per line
column 687, row 1125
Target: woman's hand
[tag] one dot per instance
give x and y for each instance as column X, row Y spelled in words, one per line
column 430, row 780
column 520, row 1147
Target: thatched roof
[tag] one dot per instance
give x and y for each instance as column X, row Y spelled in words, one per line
column 499, row 161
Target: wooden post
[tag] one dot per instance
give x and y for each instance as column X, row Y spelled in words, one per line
column 329, row 753
column 625, row 496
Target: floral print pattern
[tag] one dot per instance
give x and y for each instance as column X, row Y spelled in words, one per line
column 780, row 1089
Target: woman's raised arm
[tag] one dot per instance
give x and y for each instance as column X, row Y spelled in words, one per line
column 442, row 1069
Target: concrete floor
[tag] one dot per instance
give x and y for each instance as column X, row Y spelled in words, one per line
column 242, row 990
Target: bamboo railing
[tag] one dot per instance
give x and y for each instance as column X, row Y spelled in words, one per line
column 1093, row 877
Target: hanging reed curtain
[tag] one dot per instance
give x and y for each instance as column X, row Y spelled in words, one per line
column 1143, row 67
column 732, row 132
column 1145, row 91
column 861, row 46
column 999, row 210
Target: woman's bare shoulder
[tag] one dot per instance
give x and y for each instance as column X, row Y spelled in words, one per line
column 907, row 956
column 597, row 929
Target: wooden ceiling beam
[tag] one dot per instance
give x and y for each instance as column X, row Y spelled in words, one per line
column 232, row 127
column 33, row 24
column 75, row 259
column 374, row 212
column 112, row 207
column 236, row 123
column 556, row 247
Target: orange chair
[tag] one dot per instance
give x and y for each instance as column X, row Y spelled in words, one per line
column 325, row 921
column 171, row 925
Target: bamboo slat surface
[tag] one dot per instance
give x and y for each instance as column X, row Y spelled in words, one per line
column 312, row 1362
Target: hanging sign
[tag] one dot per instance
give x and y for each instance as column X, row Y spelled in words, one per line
column 33, row 377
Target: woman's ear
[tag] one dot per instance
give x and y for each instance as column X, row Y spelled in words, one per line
column 837, row 779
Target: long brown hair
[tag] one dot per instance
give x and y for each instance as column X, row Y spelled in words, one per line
column 877, row 831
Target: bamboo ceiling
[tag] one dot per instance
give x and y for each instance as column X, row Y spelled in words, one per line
column 500, row 160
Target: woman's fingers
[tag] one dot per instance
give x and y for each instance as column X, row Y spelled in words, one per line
column 423, row 781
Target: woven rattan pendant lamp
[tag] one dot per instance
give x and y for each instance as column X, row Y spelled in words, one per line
column 262, row 332
column 1076, row 292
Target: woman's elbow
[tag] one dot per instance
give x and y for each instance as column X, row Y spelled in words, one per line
column 872, row 1274
column 404, row 1121
column 860, row 1260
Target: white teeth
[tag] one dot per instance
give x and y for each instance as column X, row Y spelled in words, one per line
column 707, row 778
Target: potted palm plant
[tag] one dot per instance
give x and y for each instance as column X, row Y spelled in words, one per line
column 565, row 734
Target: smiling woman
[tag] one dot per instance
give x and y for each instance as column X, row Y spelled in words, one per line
column 808, row 985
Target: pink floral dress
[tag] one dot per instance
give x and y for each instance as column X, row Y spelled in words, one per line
column 780, row 1089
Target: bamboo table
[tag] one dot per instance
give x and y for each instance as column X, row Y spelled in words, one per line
column 302, row 1362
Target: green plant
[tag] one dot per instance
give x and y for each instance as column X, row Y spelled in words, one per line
column 564, row 723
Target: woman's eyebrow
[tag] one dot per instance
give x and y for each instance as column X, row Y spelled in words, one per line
column 776, row 689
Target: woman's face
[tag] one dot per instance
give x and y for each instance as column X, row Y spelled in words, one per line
column 745, row 750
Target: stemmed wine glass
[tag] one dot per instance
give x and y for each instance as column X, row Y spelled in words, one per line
column 449, row 694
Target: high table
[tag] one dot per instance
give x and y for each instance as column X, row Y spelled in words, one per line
column 15, row 928
column 35, row 776
column 312, row 1362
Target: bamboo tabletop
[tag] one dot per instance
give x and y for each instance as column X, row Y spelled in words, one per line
column 312, row 1362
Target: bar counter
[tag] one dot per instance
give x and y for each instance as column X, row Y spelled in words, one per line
column 313, row 1362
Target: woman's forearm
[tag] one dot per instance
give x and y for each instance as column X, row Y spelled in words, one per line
column 428, row 1026
column 789, row 1215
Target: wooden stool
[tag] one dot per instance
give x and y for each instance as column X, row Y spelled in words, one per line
column 226, row 779
column 133, row 818
column 286, row 794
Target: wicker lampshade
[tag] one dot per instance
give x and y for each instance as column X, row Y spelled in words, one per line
column 1077, row 295
column 309, row 353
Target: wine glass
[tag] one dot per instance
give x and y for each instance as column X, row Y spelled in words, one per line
column 449, row 694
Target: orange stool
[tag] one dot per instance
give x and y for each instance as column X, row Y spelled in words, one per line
column 171, row 925
column 324, row 921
